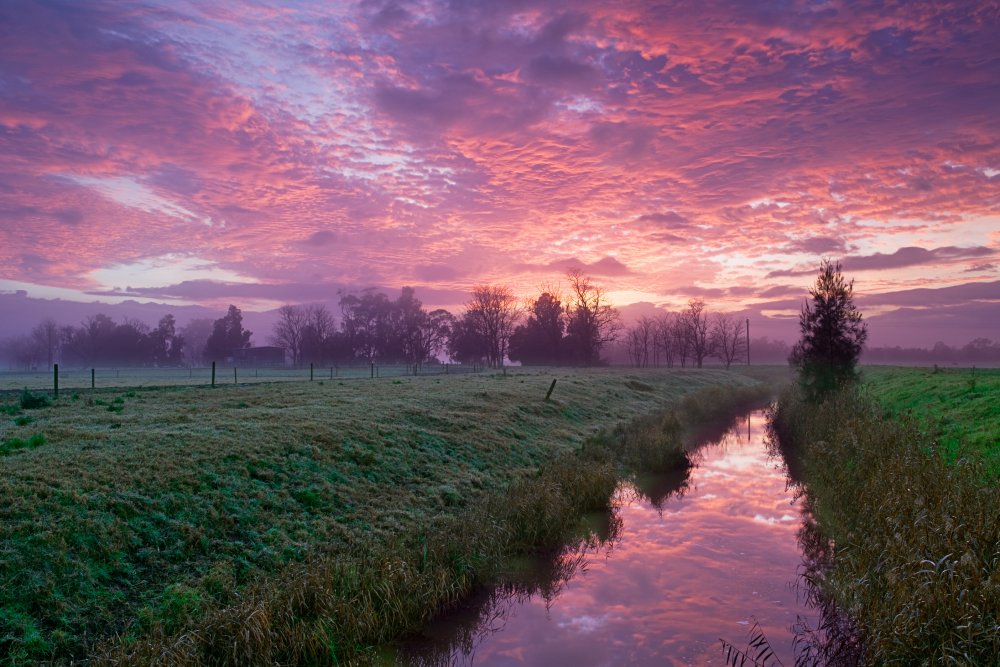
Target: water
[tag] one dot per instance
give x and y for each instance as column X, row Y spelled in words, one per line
column 700, row 563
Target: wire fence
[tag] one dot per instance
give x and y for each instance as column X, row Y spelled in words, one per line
column 58, row 379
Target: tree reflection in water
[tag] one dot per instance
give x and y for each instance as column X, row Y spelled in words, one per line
column 459, row 631
column 834, row 640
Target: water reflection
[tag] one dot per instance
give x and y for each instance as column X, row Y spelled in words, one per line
column 687, row 560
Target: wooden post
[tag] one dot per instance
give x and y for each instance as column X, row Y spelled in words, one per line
column 92, row 378
column 551, row 387
column 55, row 380
column 213, row 373
column 373, row 371
column 331, row 372
column 310, row 371
column 234, row 376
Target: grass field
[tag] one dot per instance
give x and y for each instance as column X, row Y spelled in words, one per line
column 132, row 508
column 960, row 407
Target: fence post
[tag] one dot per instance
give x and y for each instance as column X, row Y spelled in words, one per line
column 551, row 387
column 331, row 372
column 373, row 371
column 310, row 371
column 92, row 374
column 234, row 376
column 213, row 373
column 55, row 380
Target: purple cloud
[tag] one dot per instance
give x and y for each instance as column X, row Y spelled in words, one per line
column 904, row 257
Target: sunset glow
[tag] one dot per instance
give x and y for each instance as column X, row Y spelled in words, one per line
column 209, row 153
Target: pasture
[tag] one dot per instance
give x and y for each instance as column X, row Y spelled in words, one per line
column 960, row 407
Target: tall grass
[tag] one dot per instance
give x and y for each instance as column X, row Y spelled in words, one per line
column 915, row 540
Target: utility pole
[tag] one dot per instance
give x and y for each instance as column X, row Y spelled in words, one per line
column 748, row 341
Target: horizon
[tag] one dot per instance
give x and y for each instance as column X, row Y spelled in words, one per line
column 187, row 155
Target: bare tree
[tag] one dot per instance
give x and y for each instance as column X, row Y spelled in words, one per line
column 665, row 342
column 682, row 341
column 289, row 329
column 46, row 337
column 316, row 333
column 593, row 322
column 695, row 321
column 728, row 338
column 495, row 311
column 639, row 341
column 428, row 336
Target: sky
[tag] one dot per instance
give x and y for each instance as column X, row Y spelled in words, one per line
column 260, row 153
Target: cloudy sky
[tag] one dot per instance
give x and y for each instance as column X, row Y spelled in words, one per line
column 260, row 153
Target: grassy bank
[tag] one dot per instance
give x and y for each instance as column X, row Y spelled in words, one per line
column 960, row 407
column 916, row 564
column 145, row 513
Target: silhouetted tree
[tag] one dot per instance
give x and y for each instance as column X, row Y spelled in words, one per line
column 665, row 340
column 426, row 334
column 540, row 339
column 46, row 337
column 493, row 311
column 289, row 331
column 695, row 330
column 228, row 335
column 593, row 322
column 639, row 339
column 466, row 343
column 367, row 323
column 166, row 346
column 728, row 338
column 833, row 334
column 317, row 335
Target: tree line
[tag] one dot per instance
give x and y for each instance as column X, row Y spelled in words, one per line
column 572, row 327
column 493, row 327
column 691, row 335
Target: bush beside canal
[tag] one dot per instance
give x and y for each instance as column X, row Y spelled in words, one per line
column 915, row 538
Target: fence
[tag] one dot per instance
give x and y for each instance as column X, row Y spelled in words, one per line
column 59, row 379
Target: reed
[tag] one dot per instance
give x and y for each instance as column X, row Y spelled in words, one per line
column 915, row 535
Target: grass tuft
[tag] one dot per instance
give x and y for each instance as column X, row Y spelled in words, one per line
column 14, row 444
column 31, row 401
